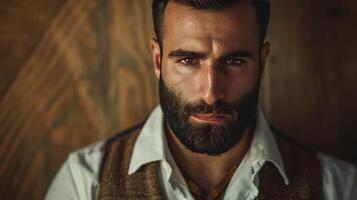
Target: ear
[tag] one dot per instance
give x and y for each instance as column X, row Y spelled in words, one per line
column 264, row 55
column 156, row 56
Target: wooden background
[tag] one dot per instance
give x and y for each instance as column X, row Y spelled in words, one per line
column 74, row 72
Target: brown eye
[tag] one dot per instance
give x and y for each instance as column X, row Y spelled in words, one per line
column 188, row 61
column 234, row 61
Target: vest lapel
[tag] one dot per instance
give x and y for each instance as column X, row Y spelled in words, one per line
column 303, row 170
column 115, row 183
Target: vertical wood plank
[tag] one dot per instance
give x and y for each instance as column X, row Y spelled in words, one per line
column 310, row 82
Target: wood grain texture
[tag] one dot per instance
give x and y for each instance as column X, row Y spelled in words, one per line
column 74, row 72
column 86, row 76
column 310, row 88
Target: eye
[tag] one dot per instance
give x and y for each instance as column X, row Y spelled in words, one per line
column 188, row 61
column 234, row 61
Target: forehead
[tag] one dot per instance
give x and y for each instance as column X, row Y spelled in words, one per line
column 236, row 22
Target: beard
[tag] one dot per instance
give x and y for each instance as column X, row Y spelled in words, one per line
column 210, row 139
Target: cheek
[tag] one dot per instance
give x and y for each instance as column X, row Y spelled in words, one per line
column 184, row 82
column 239, row 84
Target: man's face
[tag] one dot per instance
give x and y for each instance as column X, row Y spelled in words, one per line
column 209, row 72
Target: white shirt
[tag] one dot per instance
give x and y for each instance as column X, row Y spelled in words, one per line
column 78, row 176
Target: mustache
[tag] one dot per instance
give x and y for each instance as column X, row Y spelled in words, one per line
column 219, row 108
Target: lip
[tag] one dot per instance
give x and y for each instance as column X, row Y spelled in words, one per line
column 210, row 118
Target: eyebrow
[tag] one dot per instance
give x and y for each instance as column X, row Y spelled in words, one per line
column 186, row 53
column 243, row 53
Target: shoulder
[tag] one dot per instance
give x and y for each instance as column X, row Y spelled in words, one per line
column 339, row 178
column 78, row 175
column 87, row 159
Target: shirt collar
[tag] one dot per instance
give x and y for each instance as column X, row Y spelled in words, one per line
column 264, row 147
column 150, row 145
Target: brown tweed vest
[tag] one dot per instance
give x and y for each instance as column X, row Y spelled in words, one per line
column 302, row 166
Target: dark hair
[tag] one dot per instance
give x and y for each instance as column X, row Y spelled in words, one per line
column 262, row 8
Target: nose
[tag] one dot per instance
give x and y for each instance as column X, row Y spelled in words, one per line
column 211, row 85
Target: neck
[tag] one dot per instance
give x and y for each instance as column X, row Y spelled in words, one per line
column 206, row 170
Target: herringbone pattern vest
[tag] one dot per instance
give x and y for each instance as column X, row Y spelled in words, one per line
column 302, row 166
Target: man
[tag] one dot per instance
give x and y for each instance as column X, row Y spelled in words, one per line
column 208, row 139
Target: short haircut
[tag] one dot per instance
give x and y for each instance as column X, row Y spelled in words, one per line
column 262, row 10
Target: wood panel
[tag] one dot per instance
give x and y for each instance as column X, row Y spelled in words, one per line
column 74, row 72
column 22, row 26
column 310, row 87
column 82, row 72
